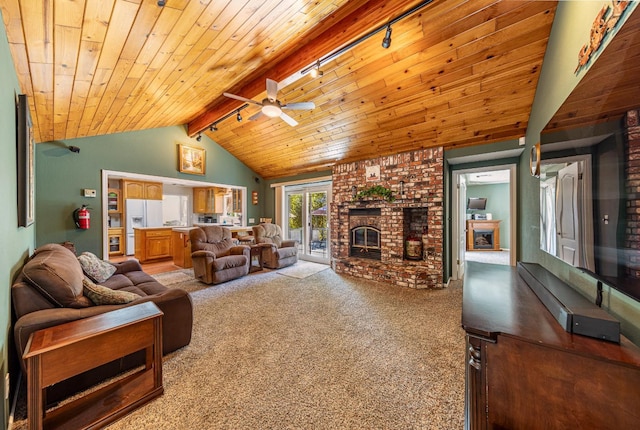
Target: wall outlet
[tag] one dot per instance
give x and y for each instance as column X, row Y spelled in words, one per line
column 89, row 193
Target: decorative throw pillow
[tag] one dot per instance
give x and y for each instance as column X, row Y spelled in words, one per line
column 96, row 268
column 106, row 296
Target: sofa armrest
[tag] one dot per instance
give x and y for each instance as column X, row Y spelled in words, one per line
column 203, row 254
column 240, row 250
column 289, row 243
column 127, row 266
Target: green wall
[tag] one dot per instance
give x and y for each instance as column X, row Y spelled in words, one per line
column 497, row 205
column 570, row 31
column 62, row 175
column 17, row 243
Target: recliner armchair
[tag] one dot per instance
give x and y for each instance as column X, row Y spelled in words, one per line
column 215, row 257
column 281, row 253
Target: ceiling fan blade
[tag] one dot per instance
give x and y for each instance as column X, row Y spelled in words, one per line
column 292, row 122
column 242, row 99
column 300, row 106
column 272, row 89
column 256, row 116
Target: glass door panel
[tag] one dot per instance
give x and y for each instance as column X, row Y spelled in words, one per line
column 318, row 225
column 308, row 221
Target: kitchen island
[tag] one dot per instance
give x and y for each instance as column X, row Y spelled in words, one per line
column 152, row 243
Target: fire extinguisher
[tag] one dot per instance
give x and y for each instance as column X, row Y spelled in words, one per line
column 82, row 217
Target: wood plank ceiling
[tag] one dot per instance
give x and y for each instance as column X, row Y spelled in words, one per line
column 458, row 72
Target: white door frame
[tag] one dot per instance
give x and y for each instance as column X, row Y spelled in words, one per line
column 455, row 216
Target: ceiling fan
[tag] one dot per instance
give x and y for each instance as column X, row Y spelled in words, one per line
column 271, row 106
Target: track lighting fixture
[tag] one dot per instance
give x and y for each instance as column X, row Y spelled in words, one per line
column 315, row 72
column 386, row 42
column 213, row 127
column 239, row 117
column 161, row 3
column 74, row 149
column 199, row 138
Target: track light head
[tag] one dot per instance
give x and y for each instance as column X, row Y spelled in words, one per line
column 315, row 71
column 386, row 42
column 213, row 127
column 161, row 3
column 74, row 149
column 199, row 138
column 239, row 117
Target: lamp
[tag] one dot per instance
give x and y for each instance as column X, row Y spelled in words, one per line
column 386, row 42
column 213, row 127
column 315, row 72
column 199, row 138
column 271, row 109
column 238, row 116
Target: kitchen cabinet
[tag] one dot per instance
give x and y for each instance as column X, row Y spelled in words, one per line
column 152, row 243
column 181, row 247
column 208, row 200
column 142, row 190
column 116, row 241
column 114, row 201
column 524, row 370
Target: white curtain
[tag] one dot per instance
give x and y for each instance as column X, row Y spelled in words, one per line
column 548, row 215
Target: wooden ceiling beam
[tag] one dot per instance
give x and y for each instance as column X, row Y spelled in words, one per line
column 356, row 24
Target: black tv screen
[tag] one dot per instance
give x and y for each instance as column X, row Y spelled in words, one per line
column 477, row 203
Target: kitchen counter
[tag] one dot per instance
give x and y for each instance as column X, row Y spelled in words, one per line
column 153, row 228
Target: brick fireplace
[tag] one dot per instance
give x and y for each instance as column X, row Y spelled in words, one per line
column 368, row 236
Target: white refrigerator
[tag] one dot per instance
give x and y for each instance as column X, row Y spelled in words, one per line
column 141, row 213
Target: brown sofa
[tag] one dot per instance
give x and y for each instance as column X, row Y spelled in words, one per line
column 281, row 253
column 215, row 256
column 46, row 293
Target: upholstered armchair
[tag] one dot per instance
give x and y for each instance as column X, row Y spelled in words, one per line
column 280, row 253
column 215, row 257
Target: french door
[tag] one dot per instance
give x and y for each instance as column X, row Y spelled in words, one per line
column 307, row 220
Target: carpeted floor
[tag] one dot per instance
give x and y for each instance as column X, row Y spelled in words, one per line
column 325, row 352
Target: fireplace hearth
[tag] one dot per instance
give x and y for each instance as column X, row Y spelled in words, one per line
column 369, row 235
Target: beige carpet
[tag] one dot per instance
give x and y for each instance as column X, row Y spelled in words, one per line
column 328, row 352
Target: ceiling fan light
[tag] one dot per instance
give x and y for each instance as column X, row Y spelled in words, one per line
column 271, row 111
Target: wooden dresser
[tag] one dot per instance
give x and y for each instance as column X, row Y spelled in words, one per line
column 525, row 371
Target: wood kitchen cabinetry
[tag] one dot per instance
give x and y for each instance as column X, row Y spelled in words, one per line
column 142, row 190
column 116, row 241
column 208, row 200
column 181, row 248
column 152, row 243
column 525, row 371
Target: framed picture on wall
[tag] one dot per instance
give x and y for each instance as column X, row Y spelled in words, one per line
column 191, row 160
column 25, row 147
column 373, row 173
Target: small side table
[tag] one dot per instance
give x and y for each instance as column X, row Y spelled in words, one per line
column 57, row 353
column 256, row 251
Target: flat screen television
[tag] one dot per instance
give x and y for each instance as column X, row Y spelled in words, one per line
column 590, row 202
column 477, row 203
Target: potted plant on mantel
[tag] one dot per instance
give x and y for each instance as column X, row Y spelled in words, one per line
column 373, row 191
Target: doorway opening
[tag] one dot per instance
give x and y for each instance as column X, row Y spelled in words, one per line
column 483, row 217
